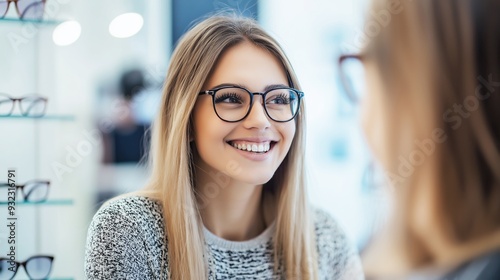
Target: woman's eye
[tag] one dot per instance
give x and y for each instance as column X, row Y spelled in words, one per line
column 281, row 99
column 231, row 100
column 228, row 98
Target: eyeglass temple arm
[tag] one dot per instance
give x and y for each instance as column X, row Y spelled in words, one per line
column 209, row 92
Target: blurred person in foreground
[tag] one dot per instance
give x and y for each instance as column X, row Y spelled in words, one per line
column 431, row 114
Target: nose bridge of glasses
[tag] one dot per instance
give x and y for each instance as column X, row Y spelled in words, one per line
column 6, row 8
column 261, row 104
column 257, row 100
column 256, row 95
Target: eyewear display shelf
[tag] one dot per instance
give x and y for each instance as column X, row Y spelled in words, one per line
column 48, row 202
column 44, row 118
column 9, row 20
column 26, row 143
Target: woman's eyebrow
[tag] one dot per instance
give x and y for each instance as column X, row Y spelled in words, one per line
column 268, row 87
column 229, row 85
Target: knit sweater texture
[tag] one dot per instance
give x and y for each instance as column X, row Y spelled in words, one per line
column 126, row 240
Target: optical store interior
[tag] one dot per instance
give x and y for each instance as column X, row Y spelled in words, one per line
column 93, row 71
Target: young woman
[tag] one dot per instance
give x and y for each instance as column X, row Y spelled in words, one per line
column 432, row 118
column 227, row 195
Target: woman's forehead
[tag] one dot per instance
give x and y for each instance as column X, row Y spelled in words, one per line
column 249, row 65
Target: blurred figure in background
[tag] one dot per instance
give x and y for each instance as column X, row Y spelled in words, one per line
column 431, row 115
column 123, row 124
column 125, row 141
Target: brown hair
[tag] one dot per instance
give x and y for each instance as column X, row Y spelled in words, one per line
column 439, row 62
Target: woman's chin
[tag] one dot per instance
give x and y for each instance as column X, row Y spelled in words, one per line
column 257, row 180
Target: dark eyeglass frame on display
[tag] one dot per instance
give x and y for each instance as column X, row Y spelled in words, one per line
column 346, row 83
column 37, row 98
column 44, row 183
column 8, row 262
column 212, row 92
column 22, row 13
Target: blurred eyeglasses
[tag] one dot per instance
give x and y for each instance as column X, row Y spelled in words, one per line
column 233, row 103
column 26, row 9
column 352, row 74
column 32, row 191
column 37, row 267
column 30, row 106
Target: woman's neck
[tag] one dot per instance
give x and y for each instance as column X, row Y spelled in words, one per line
column 231, row 210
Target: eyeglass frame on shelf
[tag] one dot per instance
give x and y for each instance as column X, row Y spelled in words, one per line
column 14, row 100
column 21, row 15
column 212, row 92
column 23, row 264
column 46, row 182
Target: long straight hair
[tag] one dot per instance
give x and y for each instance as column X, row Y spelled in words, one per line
column 437, row 61
column 171, row 156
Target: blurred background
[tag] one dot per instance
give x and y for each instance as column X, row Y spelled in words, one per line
column 101, row 66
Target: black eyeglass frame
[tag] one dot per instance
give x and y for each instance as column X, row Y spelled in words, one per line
column 212, row 92
column 349, row 91
column 3, row 184
column 23, row 264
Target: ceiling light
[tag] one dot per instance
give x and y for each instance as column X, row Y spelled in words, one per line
column 66, row 33
column 126, row 25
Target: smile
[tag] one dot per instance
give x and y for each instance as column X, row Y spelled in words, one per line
column 253, row 147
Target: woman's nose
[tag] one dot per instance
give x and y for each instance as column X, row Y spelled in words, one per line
column 257, row 117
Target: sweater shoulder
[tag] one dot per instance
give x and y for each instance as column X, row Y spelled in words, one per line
column 126, row 238
column 326, row 227
column 140, row 213
column 336, row 254
column 131, row 206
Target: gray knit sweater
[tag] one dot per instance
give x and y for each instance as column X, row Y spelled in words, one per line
column 126, row 241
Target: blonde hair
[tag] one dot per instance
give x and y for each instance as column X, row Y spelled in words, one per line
column 432, row 57
column 171, row 156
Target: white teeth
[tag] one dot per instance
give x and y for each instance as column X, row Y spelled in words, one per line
column 256, row 148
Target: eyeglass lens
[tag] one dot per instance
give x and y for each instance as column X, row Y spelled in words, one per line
column 36, row 192
column 233, row 104
column 353, row 75
column 32, row 106
column 37, row 267
column 32, row 191
column 31, row 9
column 28, row 9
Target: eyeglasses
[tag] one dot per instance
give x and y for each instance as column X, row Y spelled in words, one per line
column 233, row 103
column 33, row 191
column 26, row 9
column 352, row 74
column 37, row 267
column 31, row 106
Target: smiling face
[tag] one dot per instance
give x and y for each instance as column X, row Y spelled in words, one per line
column 251, row 150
